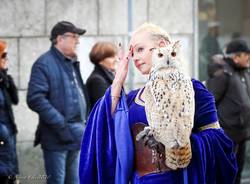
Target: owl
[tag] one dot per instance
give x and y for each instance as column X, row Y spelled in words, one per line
column 169, row 105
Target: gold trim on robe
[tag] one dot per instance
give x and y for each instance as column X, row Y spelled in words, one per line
column 214, row 125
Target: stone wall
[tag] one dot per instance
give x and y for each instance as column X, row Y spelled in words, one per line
column 26, row 25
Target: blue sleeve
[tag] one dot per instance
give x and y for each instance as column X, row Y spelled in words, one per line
column 98, row 150
column 100, row 160
column 205, row 109
column 213, row 159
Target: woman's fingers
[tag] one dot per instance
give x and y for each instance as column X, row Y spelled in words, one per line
column 122, row 69
column 120, row 52
column 122, row 65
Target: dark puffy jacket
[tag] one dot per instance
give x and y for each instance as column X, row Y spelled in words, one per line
column 53, row 94
column 8, row 130
column 231, row 88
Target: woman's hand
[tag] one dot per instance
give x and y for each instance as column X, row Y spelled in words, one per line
column 122, row 69
column 120, row 77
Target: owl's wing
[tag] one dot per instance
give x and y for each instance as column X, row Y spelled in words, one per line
column 160, row 90
column 174, row 97
column 148, row 103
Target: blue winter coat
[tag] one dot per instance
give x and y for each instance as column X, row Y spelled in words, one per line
column 53, row 94
column 8, row 130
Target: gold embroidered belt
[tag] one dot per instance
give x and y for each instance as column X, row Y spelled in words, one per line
column 214, row 125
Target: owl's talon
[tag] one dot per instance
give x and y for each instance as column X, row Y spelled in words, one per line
column 150, row 132
column 142, row 134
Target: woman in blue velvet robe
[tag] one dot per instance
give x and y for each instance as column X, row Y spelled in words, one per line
column 107, row 152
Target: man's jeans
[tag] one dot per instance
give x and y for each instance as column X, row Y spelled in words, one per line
column 61, row 166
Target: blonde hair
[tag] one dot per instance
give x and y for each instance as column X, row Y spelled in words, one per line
column 155, row 31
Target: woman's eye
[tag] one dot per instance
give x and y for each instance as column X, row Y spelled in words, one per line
column 140, row 49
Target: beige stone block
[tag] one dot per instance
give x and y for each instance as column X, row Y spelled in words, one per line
column 30, row 50
column 113, row 17
column 82, row 13
column 22, row 17
column 26, row 119
column 174, row 16
column 139, row 13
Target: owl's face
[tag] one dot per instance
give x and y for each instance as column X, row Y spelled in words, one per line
column 167, row 56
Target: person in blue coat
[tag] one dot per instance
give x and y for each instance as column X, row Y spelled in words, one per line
column 8, row 128
column 56, row 92
column 110, row 152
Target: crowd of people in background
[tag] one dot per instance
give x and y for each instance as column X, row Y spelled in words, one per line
column 229, row 82
column 79, row 124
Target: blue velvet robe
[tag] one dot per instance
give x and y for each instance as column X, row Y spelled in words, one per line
column 107, row 148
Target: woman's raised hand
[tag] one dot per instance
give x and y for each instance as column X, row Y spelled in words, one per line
column 120, row 76
column 122, row 68
column 121, row 71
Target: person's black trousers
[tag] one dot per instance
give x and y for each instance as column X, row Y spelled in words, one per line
column 240, row 151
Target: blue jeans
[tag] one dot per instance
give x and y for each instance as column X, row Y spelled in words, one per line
column 61, row 166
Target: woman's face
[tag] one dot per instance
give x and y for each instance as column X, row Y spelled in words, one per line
column 142, row 47
column 109, row 63
column 3, row 60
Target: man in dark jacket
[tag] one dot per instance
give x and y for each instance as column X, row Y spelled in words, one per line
column 57, row 93
column 230, row 83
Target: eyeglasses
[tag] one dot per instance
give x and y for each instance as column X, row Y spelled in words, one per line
column 4, row 55
column 74, row 36
column 139, row 50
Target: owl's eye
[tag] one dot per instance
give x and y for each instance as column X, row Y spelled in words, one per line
column 160, row 55
column 173, row 54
